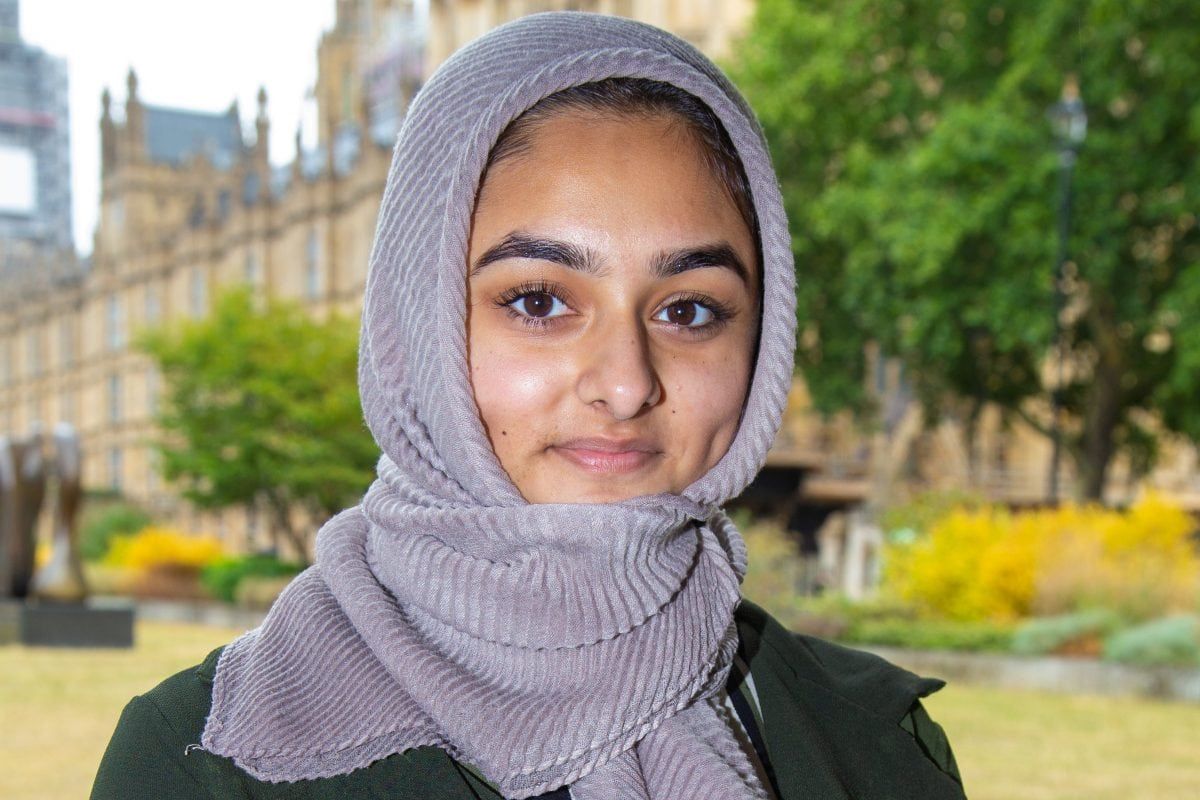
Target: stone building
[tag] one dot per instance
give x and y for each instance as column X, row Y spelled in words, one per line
column 710, row 25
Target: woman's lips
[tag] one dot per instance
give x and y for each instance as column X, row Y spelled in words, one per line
column 608, row 456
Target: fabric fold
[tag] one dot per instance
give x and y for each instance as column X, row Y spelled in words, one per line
column 403, row 674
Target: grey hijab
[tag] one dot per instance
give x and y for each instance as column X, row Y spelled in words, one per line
column 544, row 644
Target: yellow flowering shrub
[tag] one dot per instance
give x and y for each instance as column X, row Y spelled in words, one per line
column 775, row 564
column 155, row 548
column 990, row 563
column 41, row 554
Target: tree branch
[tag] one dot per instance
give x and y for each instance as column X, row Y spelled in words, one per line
column 1045, row 430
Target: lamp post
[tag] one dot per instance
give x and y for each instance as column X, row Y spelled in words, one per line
column 1068, row 118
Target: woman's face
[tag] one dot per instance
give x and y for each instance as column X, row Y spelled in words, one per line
column 612, row 310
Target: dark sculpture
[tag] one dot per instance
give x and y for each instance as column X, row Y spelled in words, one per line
column 8, row 513
column 51, row 608
column 61, row 579
column 22, row 489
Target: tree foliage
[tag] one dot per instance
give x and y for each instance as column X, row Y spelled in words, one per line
column 919, row 172
column 261, row 407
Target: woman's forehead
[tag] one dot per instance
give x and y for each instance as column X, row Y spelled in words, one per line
column 676, row 113
column 586, row 187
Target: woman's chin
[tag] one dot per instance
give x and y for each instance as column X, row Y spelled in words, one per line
column 593, row 490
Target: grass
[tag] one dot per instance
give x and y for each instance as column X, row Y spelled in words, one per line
column 59, row 708
column 1037, row 746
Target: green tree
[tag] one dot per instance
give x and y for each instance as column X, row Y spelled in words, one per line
column 919, row 172
column 261, row 406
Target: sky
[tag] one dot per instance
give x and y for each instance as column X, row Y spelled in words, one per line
column 198, row 55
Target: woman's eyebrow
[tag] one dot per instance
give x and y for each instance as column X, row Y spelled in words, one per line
column 665, row 264
column 720, row 254
column 521, row 245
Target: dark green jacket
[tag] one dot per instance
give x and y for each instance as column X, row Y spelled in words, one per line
column 837, row 723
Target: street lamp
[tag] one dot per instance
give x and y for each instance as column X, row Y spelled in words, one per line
column 1068, row 118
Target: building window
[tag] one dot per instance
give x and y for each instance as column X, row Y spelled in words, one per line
column 312, row 283
column 153, row 307
column 6, row 363
column 253, row 272
column 35, row 352
column 114, row 330
column 114, row 398
column 66, row 342
column 66, row 405
column 115, row 468
column 152, row 392
column 198, row 292
column 253, row 528
column 153, row 464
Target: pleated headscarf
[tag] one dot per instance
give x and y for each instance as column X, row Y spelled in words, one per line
column 543, row 644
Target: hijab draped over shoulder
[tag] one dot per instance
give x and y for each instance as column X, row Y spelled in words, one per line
column 543, row 644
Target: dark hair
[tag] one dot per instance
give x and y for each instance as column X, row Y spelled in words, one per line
column 642, row 96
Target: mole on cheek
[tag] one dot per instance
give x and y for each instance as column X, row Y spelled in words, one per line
column 504, row 433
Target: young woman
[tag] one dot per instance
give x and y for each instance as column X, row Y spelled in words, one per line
column 576, row 345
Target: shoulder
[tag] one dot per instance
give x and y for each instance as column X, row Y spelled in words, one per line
column 149, row 752
column 864, row 679
column 183, row 700
column 155, row 752
column 821, row 691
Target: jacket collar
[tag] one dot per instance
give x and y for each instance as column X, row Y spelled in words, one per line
column 831, row 718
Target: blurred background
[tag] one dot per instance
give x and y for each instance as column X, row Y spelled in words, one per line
column 988, row 470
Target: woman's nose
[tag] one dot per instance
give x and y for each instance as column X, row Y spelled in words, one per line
column 618, row 371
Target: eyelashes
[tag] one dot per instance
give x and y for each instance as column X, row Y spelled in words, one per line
column 554, row 300
column 717, row 313
column 538, row 289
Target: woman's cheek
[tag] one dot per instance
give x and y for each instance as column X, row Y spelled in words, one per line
column 513, row 388
column 710, row 396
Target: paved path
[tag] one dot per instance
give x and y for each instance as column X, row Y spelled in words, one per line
column 1049, row 673
column 1046, row 673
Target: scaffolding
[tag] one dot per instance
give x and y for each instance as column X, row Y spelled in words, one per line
column 35, row 172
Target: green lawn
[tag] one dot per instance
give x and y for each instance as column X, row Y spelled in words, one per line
column 58, row 708
column 1037, row 746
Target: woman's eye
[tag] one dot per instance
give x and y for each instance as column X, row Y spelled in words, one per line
column 538, row 305
column 687, row 313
